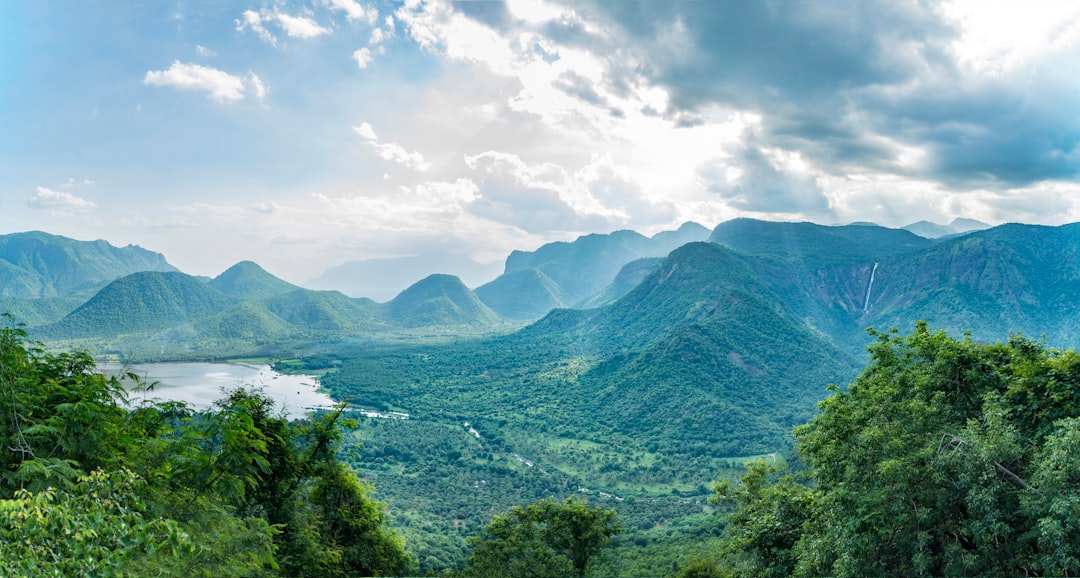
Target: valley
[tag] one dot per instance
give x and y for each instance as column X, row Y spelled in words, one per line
column 635, row 371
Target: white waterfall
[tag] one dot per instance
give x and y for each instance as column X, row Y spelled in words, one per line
column 869, row 288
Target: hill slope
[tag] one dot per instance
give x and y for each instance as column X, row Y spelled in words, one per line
column 438, row 300
column 142, row 302
column 36, row 264
column 247, row 280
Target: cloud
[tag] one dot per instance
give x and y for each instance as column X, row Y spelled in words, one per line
column 254, row 20
column 976, row 90
column 44, row 198
column 256, row 85
column 218, row 85
column 392, row 151
column 362, row 57
column 752, row 181
column 300, row 26
column 354, row 10
column 204, row 51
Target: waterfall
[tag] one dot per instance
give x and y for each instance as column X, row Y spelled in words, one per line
column 869, row 288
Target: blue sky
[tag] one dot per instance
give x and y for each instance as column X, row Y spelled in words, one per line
column 305, row 134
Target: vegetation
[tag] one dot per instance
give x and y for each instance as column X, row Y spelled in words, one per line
column 91, row 486
column 547, row 539
column 945, row 457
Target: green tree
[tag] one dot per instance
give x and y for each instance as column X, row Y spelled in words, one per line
column 547, row 538
column 944, row 457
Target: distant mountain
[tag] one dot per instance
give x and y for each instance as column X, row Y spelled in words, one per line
column 247, row 280
column 579, row 269
column 139, row 303
column 814, row 245
column 439, row 300
column 382, row 279
column 958, row 226
column 630, row 276
column 35, row 264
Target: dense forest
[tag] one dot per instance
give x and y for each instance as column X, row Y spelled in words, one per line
column 945, row 456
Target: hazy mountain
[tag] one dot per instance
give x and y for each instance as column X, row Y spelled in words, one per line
column 142, row 302
column 247, row 280
column 958, row 226
column 632, row 274
column 521, row 295
column 36, row 264
column 382, row 279
column 438, row 300
column 579, row 269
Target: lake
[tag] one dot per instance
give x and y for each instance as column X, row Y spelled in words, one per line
column 201, row 384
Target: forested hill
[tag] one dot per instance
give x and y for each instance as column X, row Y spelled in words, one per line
column 36, row 264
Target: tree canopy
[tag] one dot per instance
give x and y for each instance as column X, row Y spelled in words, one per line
column 92, row 486
column 944, row 457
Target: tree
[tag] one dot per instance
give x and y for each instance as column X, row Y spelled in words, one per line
column 944, row 457
column 547, row 538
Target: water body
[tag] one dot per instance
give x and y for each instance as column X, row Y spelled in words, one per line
column 201, row 384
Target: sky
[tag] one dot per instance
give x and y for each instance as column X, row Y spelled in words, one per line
column 304, row 134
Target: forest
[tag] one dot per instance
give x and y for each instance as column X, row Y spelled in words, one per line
column 945, row 456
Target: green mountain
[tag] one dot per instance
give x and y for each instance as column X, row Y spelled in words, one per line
column 315, row 311
column 141, row 302
column 1008, row 279
column 36, row 264
column 438, row 300
column 522, row 295
column 247, row 280
column 812, row 246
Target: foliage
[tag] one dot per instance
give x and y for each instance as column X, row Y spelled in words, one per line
column 92, row 486
column 96, row 529
column 945, row 457
column 547, row 538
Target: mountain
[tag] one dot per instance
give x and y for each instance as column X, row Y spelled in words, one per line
column 142, row 302
column 630, row 276
column 382, row 279
column 1007, row 279
column 314, row 311
column 522, row 295
column 578, row 270
column 814, row 245
column 247, row 280
column 36, row 264
column 958, row 226
column 439, row 300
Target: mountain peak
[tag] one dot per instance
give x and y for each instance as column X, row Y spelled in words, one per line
column 247, row 280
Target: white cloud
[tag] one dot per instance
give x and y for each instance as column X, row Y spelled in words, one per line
column 300, row 26
column 392, row 151
column 257, row 85
column 364, row 130
column 362, row 57
column 253, row 20
column 204, row 51
column 219, row 85
column 354, row 10
column 44, row 198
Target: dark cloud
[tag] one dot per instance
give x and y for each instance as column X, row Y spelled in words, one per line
column 852, row 85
